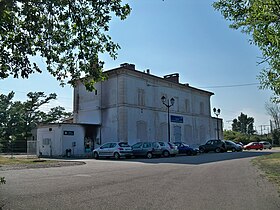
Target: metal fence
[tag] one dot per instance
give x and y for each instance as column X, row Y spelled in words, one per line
column 31, row 147
column 18, row 147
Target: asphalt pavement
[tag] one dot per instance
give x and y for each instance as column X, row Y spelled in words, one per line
column 207, row 181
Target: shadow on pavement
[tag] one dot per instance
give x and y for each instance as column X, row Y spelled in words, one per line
column 199, row 159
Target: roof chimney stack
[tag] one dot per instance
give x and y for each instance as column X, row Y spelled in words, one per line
column 172, row 77
column 128, row 66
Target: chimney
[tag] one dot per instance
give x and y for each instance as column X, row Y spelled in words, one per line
column 148, row 71
column 172, row 77
column 128, row 66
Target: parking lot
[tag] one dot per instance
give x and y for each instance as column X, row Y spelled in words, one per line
column 206, row 181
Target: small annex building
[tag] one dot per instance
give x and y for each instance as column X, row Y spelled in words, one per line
column 64, row 139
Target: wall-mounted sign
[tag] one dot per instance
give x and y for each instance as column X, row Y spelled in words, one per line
column 177, row 119
column 68, row 133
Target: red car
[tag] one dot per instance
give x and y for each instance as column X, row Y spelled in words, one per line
column 253, row 145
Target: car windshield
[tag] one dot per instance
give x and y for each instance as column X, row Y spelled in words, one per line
column 161, row 143
column 124, row 144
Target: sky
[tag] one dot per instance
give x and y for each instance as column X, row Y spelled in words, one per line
column 178, row 36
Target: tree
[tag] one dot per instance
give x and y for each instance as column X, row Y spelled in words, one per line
column 259, row 19
column 17, row 119
column 243, row 124
column 67, row 34
column 56, row 114
column 273, row 110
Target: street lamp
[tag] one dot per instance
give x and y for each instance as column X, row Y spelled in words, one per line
column 168, row 105
column 217, row 112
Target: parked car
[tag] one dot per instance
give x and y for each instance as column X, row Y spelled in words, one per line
column 113, row 149
column 146, row 149
column 253, row 145
column 168, row 149
column 266, row 145
column 213, row 145
column 232, row 146
column 186, row 149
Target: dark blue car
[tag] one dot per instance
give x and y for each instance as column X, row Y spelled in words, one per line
column 185, row 149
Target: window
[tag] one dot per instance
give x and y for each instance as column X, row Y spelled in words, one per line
column 124, row 144
column 201, row 108
column 141, row 97
column 46, row 141
column 161, row 144
column 147, row 145
column 156, row 145
column 187, row 105
column 105, row 146
column 209, row 142
column 113, row 145
column 137, row 145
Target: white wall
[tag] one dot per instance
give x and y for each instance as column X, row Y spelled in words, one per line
column 58, row 142
column 87, row 105
column 119, row 110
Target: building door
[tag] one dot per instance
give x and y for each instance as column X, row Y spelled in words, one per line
column 188, row 134
column 141, row 131
column 177, row 133
column 45, row 148
column 163, row 132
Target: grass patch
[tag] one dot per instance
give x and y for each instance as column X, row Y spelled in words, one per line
column 21, row 161
column 270, row 164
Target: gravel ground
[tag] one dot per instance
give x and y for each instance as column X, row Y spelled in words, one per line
column 40, row 165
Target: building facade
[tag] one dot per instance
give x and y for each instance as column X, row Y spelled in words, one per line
column 128, row 107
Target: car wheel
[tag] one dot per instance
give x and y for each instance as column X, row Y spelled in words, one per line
column 270, row 147
column 116, row 155
column 149, row 155
column 165, row 153
column 218, row 149
column 233, row 150
column 202, row 150
column 95, row 155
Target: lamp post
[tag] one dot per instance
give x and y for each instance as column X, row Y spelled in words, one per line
column 168, row 105
column 217, row 112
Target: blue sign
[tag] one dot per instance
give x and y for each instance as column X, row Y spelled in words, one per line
column 177, row 119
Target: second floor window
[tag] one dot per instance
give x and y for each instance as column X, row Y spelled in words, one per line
column 141, row 97
column 201, row 108
column 187, row 105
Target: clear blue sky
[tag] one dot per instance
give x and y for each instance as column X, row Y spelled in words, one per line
column 179, row 36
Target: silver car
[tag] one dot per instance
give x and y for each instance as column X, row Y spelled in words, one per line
column 266, row 145
column 113, row 149
column 168, row 149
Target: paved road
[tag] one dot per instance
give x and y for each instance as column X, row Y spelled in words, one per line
column 208, row 181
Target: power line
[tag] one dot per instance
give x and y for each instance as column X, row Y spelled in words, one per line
column 229, row 86
column 22, row 92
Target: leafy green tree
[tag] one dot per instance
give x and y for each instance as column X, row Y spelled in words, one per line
column 259, row 19
column 243, row 124
column 244, row 138
column 67, row 34
column 56, row 114
column 17, row 119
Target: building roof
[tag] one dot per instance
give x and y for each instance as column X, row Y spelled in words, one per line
column 171, row 78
